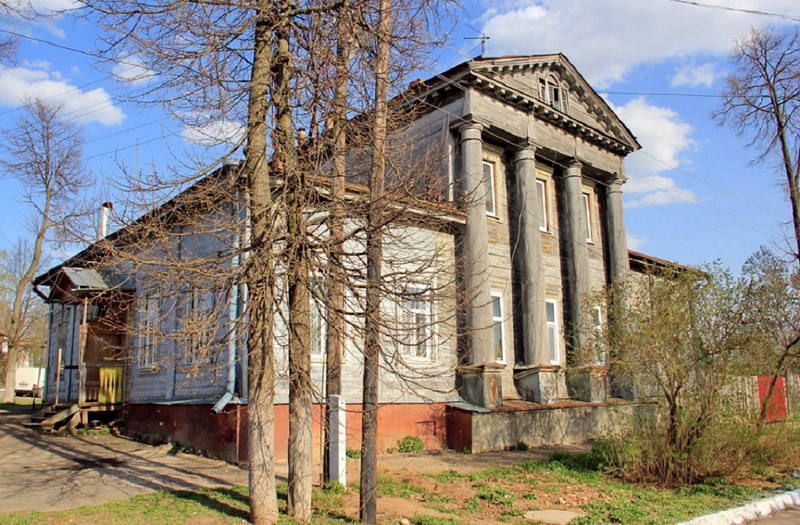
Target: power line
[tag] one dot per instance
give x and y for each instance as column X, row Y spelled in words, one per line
column 50, row 43
column 737, row 10
column 662, row 94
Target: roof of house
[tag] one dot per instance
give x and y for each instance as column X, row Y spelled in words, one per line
column 486, row 74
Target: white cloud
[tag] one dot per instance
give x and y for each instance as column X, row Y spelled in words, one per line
column 664, row 138
column 43, row 6
column 660, row 197
column 691, row 75
column 19, row 83
column 605, row 40
column 635, row 243
column 214, row 133
column 132, row 70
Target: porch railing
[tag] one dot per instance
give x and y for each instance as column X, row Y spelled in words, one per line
column 105, row 383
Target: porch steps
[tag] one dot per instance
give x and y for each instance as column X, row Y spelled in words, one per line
column 54, row 417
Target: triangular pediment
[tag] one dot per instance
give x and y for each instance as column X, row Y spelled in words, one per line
column 553, row 82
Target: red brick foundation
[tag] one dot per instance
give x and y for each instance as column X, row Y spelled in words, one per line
column 224, row 436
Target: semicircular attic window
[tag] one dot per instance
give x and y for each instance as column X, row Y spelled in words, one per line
column 550, row 93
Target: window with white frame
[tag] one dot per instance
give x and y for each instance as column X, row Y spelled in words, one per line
column 551, row 93
column 489, row 186
column 148, row 340
column 415, row 322
column 541, row 204
column 552, row 331
column 597, row 322
column 200, row 324
column 587, row 217
column 318, row 327
column 497, row 327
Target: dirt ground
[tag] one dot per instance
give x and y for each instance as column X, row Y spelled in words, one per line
column 52, row 472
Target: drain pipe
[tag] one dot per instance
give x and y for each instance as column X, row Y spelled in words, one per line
column 233, row 314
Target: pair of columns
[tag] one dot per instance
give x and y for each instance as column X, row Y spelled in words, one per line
column 537, row 378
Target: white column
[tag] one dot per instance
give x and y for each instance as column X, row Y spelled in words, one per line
column 337, row 465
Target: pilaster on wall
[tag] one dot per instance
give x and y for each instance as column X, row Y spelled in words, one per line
column 618, row 262
column 481, row 386
column 534, row 322
column 576, row 251
column 536, row 380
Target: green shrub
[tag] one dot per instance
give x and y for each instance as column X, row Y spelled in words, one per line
column 495, row 495
column 353, row 453
column 473, row 505
column 523, row 446
column 411, row 444
column 593, row 460
column 334, row 487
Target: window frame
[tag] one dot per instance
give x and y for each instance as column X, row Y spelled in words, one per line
column 492, row 189
column 544, row 223
column 317, row 309
column 200, row 309
column 499, row 321
column 554, row 348
column 554, row 98
column 598, row 325
column 587, row 210
column 552, row 93
column 148, row 347
column 409, row 349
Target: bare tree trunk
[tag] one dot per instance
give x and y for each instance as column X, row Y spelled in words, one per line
column 334, row 344
column 372, row 344
column 298, row 262
column 260, row 280
column 788, row 165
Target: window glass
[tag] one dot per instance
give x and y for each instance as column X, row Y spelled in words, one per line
column 149, row 346
column 415, row 322
column 318, row 323
column 497, row 327
column 554, row 94
column 541, row 205
column 587, row 217
column 489, row 186
column 552, row 331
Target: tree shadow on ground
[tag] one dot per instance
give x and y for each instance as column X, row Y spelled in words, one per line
column 215, row 499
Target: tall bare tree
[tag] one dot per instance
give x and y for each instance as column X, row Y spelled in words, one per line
column 13, row 266
column 43, row 151
column 263, row 63
column 372, row 337
column 762, row 101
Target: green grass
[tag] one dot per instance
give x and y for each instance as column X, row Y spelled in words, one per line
column 399, row 488
column 20, row 402
column 220, row 505
column 509, row 491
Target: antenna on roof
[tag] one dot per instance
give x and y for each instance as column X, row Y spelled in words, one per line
column 483, row 38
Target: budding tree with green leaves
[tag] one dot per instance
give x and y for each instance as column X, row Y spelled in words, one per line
column 676, row 337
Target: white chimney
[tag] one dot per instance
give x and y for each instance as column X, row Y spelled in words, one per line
column 104, row 219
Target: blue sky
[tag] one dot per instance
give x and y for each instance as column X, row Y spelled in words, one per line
column 692, row 197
